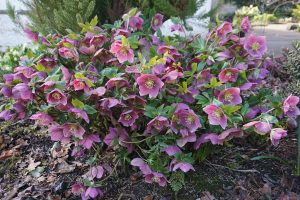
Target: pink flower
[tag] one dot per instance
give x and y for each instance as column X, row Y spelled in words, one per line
column 7, row 115
column 73, row 129
column 116, row 82
column 186, row 137
column 169, row 50
column 259, row 127
column 138, row 162
column 157, row 21
column 79, row 84
column 228, row 75
column 128, row 118
column 77, row 188
column 149, row 85
column 56, row 97
column 155, row 177
column 245, row 24
column 22, row 91
column 123, row 52
column 224, row 29
column 183, row 166
column 157, row 124
column 95, row 172
column 290, row 106
column 49, row 63
column 100, row 91
column 121, row 135
column 98, row 40
column 230, row 96
column 255, row 45
column 207, row 137
column 136, row 22
column 68, row 53
column 229, row 134
column 276, row 135
column 57, row 134
column 66, row 73
column 31, row 35
column 89, row 140
column 93, row 193
column 171, row 150
column 42, row 118
column 177, row 27
column 78, row 113
column 216, row 116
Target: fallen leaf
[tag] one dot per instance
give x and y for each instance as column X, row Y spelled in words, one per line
column 32, row 165
column 63, row 167
column 37, row 172
column 149, row 197
column 207, row 196
column 9, row 153
column 59, row 151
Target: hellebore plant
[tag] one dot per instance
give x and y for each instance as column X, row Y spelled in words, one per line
column 154, row 101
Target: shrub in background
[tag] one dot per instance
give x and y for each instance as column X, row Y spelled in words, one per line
column 122, row 94
column 55, row 16
column 296, row 12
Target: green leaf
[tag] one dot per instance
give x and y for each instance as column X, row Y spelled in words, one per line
column 269, row 157
column 89, row 109
column 268, row 118
column 245, row 109
column 214, row 82
column 202, row 100
column 229, row 109
column 77, row 103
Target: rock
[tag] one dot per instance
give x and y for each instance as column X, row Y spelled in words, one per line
column 293, row 27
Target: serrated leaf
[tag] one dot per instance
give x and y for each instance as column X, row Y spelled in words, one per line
column 77, row 103
column 89, row 109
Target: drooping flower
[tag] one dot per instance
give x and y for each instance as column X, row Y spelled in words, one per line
column 79, row 84
column 155, row 177
column 245, row 24
column 77, row 188
column 42, row 118
column 169, row 51
column 186, row 137
column 93, row 193
column 121, row 135
column 78, row 113
column 177, row 27
column 100, row 91
column 149, row 85
column 138, row 162
column 57, row 134
column 183, row 166
column 116, row 82
column 255, row 45
column 88, row 141
column 56, row 97
column 230, row 96
column 228, row 75
column 68, row 53
column 31, row 35
column 290, row 106
column 73, row 129
column 7, row 115
column 22, row 91
column 171, row 150
column 66, row 73
column 48, row 63
column 157, row 124
column 224, row 29
column 157, row 21
column 276, row 134
column 6, row 91
column 229, row 134
column 259, row 127
column 136, row 22
column 122, row 51
column 128, row 118
column 207, row 137
column 98, row 40
column 216, row 116
column 95, row 172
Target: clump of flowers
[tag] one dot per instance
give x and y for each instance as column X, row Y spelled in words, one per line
column 152, row 100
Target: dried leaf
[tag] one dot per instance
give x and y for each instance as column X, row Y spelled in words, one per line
column 32, row 165
column 9, row 153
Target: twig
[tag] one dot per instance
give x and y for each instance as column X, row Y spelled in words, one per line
column 237, row 170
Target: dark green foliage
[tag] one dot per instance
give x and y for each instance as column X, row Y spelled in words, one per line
column 177, row 181
column 51, row 16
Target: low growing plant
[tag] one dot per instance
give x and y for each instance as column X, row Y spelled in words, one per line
column 122, row 94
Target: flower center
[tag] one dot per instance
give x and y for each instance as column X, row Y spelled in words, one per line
column 155, row 179
column 190, row 119
column 227, row 96
column 56, row 96
column 124, row 50
column 255, row 46
column 150, row 83
column 218, row 114
column 155, row 22
column 73, row 128
column 228, row 73
column 127, row 117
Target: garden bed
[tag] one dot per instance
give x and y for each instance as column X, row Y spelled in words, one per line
column 32, row 171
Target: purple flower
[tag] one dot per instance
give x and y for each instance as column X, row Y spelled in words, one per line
column 229, row 134
column 158, row 124
column 116, row 82
column 224, row 29
column 155, row 177
column 7, row 115
column 259, row 127
column 255, row 45
column 230, row 96
column 57, row 134
column 183, row 166
column 42, row 118
column 169, row 50
column 177, row 27
column 149, row 85
column 185, row 138
column 100, row 91
column 80, row 114
column 184, row 117
column 157, row 21
column 98, row 40
column 68, row 53
column 122, row 51
column 77, row 188
column 93, row 193
column 56, row 97
column 276, row 134
column 128, row 118
column 216, row 116
column 136, row 22
column 95, row 172
column 6, row 91
column 204, row 138
column 290, row 106
column 89, row 140
column 228, row 75
column 138, row 162
column 22, row 91
column 121, row 135
column 245, row 24
column 66, row 73
column 171, row 150
column 49, row 63
column 73, row 129
column 80, row 84
column 31, row 35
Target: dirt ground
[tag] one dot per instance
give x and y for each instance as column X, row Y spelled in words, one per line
column 32, row 168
